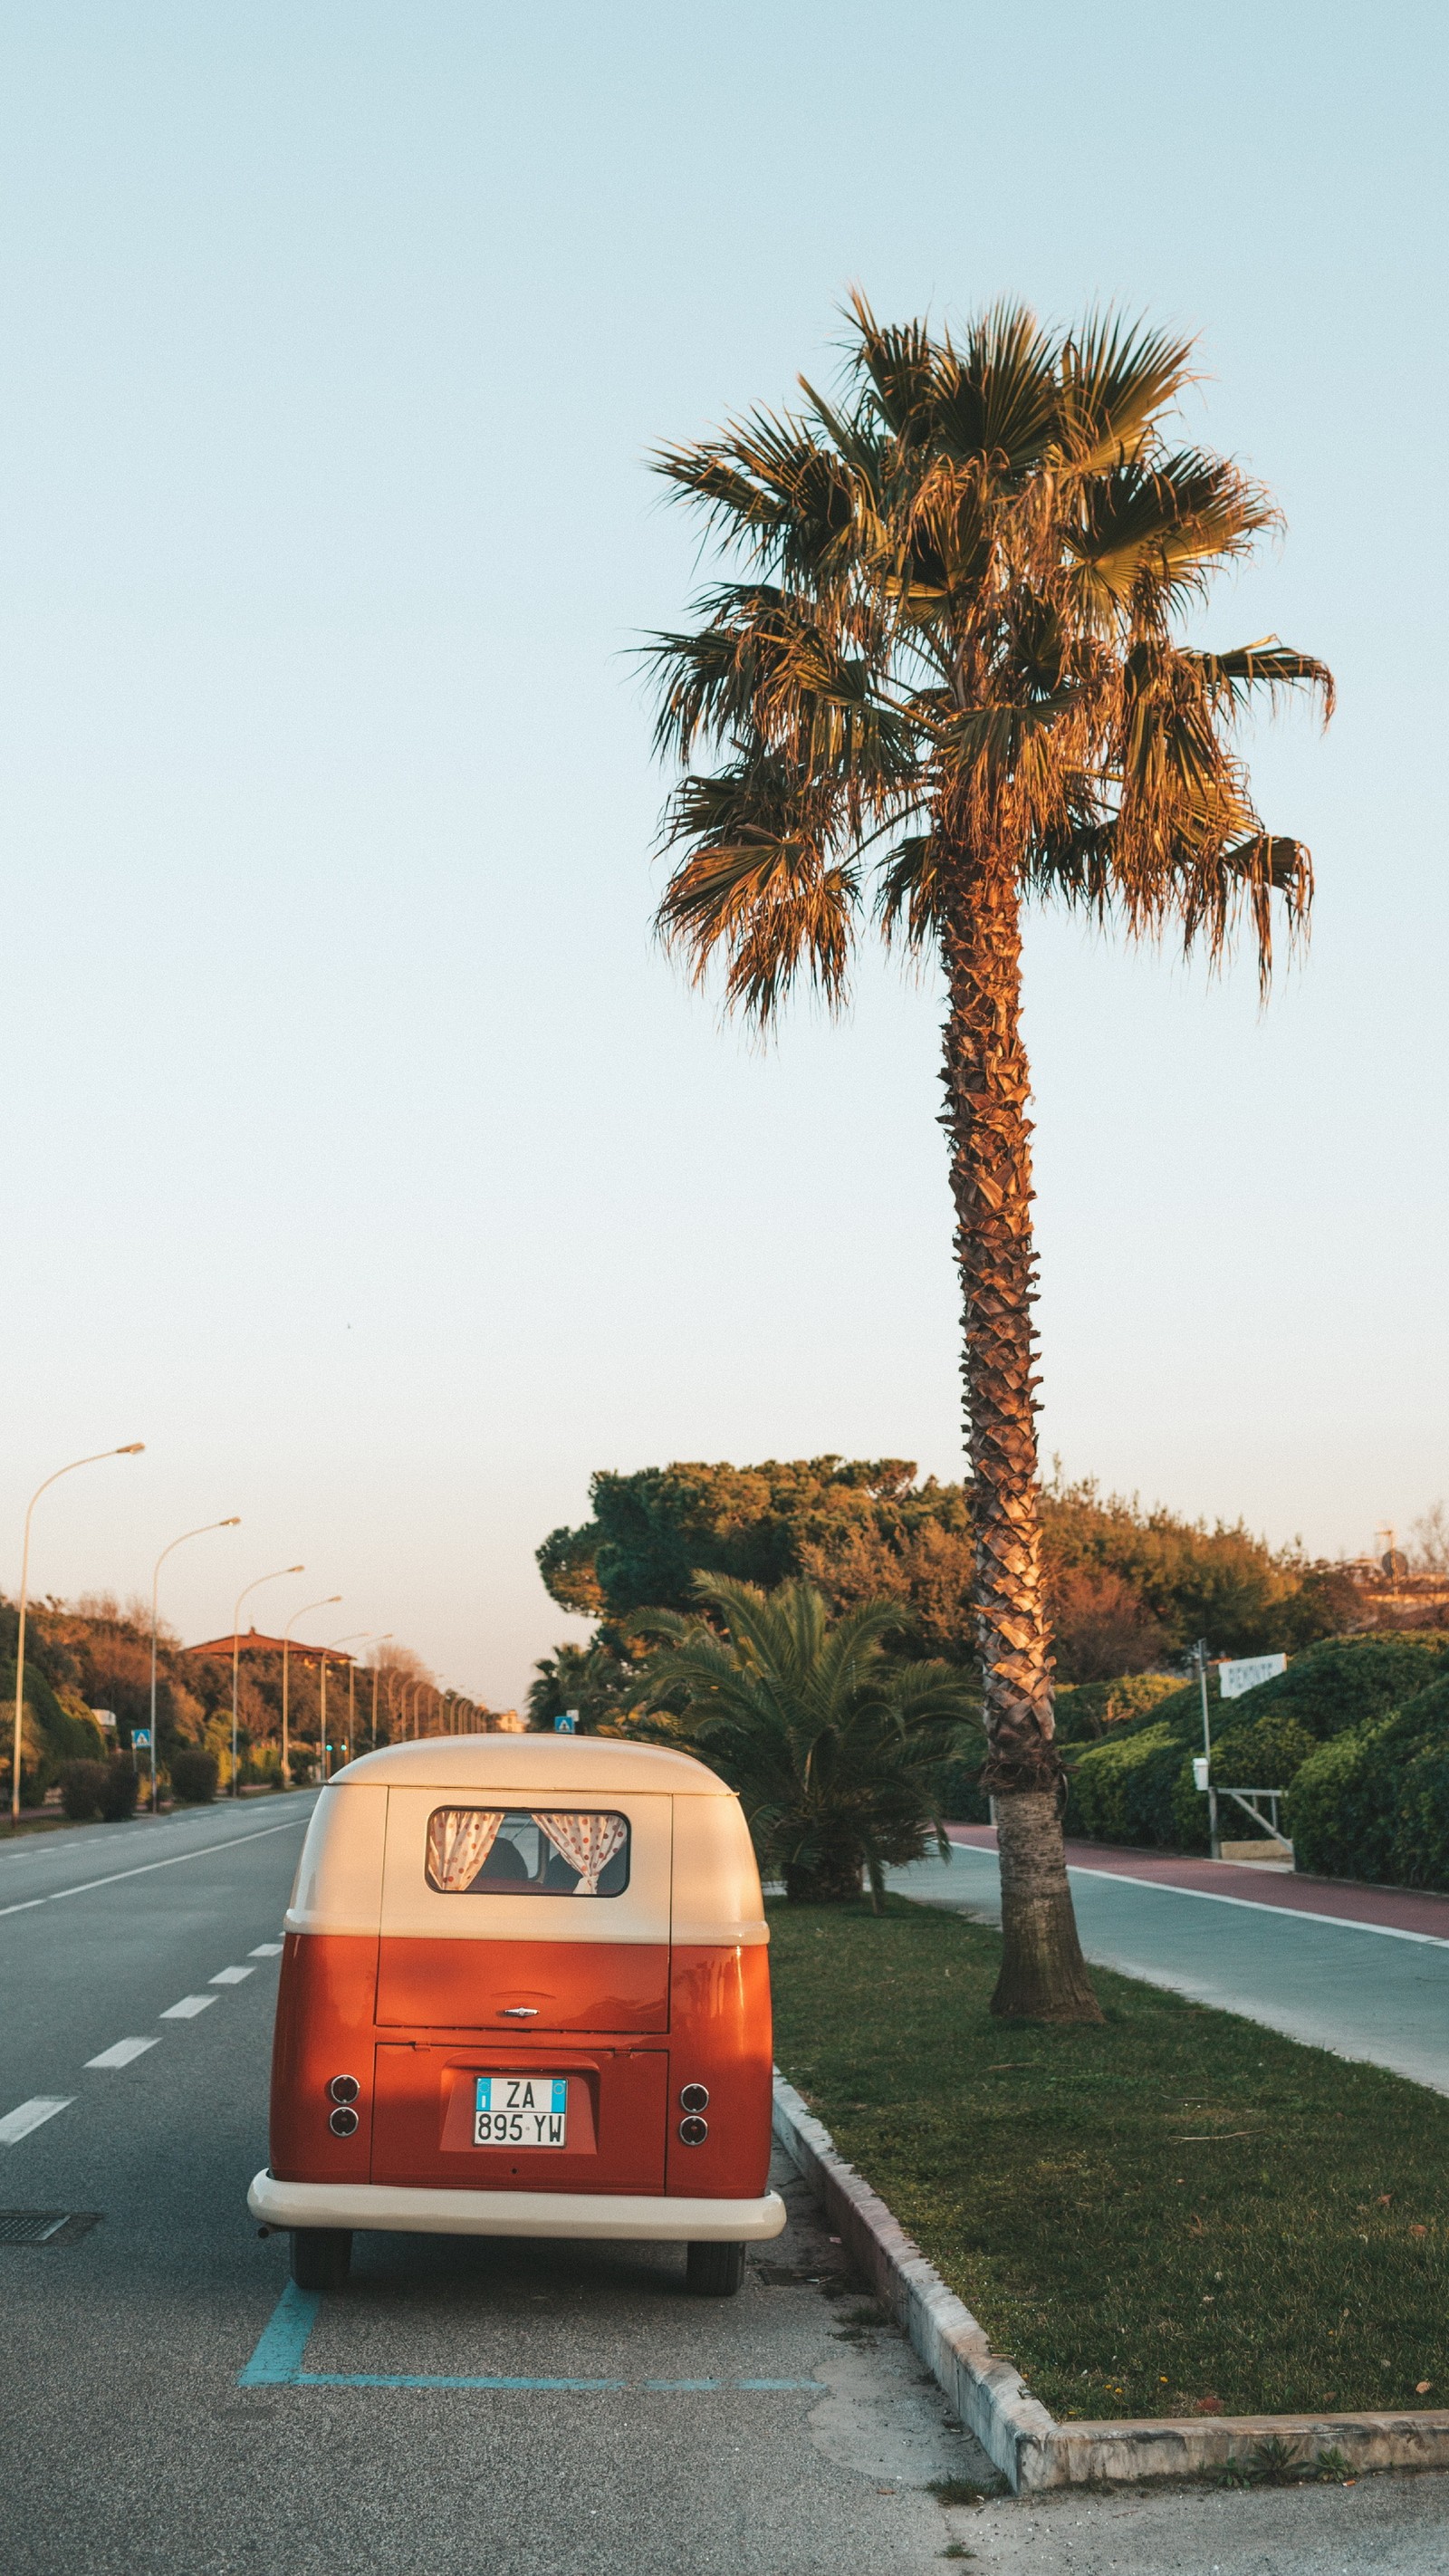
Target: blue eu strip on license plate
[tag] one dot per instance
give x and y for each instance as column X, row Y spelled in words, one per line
column 520, row 2111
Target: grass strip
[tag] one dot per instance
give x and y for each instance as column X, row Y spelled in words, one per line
column 1179, row 2212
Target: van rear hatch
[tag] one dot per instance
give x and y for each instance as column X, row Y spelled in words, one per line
column 523, row 1985
column 521, row 1914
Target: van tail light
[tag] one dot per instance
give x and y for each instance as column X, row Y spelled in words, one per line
column 695, row 2097
column 694, row 2131
column 344, row 2088
column 343, row 2123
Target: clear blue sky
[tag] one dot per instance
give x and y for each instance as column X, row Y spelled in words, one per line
column 362, row 1154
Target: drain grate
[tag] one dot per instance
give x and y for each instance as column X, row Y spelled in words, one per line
column 45, row 2226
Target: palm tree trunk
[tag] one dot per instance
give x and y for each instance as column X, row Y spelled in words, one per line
column 987, row 1084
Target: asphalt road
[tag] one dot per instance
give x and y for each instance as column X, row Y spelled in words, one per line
column 1358, row 1989
column 135, row 2442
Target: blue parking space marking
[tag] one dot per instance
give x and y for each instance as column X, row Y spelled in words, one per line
column 428, row 2379
column 283, row 2340
column 282, row 2344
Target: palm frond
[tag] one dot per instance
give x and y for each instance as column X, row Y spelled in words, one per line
column 1232, row 677
column 1117, row 377
column 770, row 897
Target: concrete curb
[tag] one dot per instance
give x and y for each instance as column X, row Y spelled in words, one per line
column 988, row 2394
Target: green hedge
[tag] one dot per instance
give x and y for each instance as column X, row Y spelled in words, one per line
column 1137, row 1787
column 1374, row 1802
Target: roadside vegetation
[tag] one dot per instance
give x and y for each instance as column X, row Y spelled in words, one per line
column 1357, row 1730
column 1175, row 2212
column 96, row 1654
column 1127, row 1588
column 835, row 1747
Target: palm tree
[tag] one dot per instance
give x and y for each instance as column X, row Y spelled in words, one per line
column 952, row 655
column 835, row 1750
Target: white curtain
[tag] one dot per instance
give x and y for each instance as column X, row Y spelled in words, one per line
column 587, row 1842
column 459, row 1841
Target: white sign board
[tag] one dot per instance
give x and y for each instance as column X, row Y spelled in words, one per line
column 1247, row 1672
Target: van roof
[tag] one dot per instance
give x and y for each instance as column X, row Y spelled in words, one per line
column 591, row 1765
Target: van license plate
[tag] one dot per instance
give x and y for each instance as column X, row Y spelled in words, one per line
column 521, row 2111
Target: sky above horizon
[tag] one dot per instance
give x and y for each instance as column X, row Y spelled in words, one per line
column 363, row 1154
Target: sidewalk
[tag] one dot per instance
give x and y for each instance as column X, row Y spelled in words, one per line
column 1398, row 1909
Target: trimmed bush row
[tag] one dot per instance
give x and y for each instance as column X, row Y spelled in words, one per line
column 1357, row 1728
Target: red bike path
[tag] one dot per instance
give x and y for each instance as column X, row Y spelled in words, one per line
column 1397, row 1909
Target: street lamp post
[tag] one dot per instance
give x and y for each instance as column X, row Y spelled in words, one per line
column 383, row 1640
column 236, row 1649
column 377, row 1639
column 304, row 1613
column 132, row 1449
column 351, row 1639
column 232, row 1522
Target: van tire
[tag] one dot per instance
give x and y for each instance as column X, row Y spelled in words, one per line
column 321, row 2257
column 714, row 2271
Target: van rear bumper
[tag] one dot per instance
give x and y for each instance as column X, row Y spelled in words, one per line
column 630, row 2216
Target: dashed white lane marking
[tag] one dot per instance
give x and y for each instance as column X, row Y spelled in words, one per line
column 266, row 1950
column 231, row 1976
column 18, row 2124
column 143, row 1868
column 187, row 2009
column 122, row 2052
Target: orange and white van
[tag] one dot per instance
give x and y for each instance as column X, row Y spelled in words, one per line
column 525, row 1992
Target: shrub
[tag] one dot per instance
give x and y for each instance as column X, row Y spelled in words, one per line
column 1121, row 1791
column 119, row 1789
column 1264, row 1753
column 194, row 1775
column 1373, row 1802
column 81, row 1788
column 1086, row 1710
column 1346, row 1680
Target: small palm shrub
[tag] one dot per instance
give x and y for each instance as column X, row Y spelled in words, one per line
column 835, row 1748
column 194, row 1775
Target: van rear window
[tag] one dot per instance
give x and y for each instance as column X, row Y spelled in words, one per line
column 527, row 1851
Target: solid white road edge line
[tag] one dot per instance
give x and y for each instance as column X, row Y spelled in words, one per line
column 1210, row 1896
column 123, row 2052
column 18, row 2124
column 142, row 1869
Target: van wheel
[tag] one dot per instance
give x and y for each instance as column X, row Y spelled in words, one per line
column 714, row 2271
column 321, row 2257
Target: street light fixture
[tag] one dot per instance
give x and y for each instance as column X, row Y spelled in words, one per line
column 236, row 1651
column 304, row 1613
column 132, row 1449
column 234, row 1522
